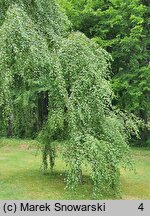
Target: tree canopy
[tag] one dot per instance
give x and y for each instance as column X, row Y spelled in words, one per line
column 122, row 28
column 55, row 84
column 29, row 33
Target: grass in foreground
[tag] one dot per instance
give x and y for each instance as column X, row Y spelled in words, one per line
column 21, row 177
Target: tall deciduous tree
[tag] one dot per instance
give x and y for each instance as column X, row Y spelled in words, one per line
column 60, row 82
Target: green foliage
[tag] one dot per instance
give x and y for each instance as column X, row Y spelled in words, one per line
column 81, row 115
column 26, row 62
column 57, row 85
column 122, row 28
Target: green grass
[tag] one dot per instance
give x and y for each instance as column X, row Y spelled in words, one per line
column 137, row 185
column 22, row 178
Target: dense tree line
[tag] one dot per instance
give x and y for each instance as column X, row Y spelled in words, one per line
column 122, row 28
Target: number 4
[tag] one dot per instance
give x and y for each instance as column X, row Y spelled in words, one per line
column 141, row 207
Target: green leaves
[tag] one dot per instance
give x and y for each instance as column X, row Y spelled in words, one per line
column 122, row 28
column 57, row 84
column 27, row 64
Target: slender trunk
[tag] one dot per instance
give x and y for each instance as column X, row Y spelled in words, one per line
column 10, row 125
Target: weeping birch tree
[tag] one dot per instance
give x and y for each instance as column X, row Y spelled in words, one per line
column 56, row 85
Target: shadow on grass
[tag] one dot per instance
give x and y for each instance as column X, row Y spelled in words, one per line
column 33, row 184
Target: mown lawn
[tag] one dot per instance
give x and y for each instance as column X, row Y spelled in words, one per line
column 22, row 178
